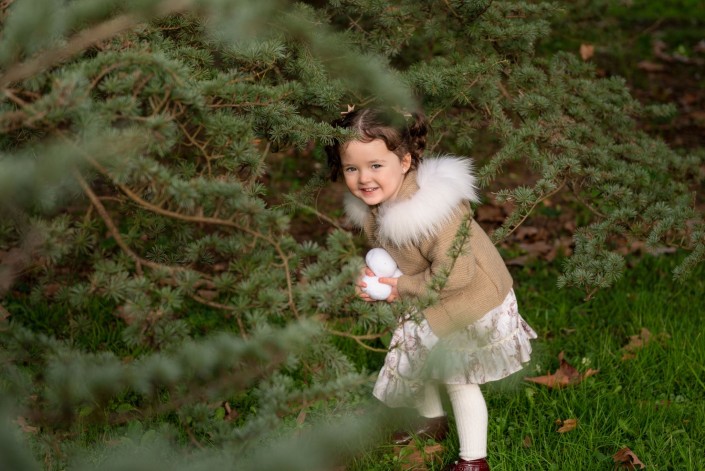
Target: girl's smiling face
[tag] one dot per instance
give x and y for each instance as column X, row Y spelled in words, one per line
column 372, row 172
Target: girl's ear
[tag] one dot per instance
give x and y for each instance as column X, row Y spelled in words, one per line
column 405, row 163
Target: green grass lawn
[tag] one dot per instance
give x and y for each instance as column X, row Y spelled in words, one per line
column 653, row 403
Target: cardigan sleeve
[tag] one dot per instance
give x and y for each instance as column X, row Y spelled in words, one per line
column 435, row 250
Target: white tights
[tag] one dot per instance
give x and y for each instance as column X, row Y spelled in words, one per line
column 470, row 413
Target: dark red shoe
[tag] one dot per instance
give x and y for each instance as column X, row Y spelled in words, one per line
column 435, row 428
column 474, row 465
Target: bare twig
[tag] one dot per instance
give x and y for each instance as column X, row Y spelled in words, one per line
column 576, row 193
column 359, row 338
column 536, row 203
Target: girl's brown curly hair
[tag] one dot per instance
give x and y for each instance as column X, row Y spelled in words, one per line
column 402, row 134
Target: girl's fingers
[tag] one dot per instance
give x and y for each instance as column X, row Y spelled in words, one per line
column 389, row 281
column 393, row 283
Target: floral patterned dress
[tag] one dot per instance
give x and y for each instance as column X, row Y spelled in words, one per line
column 492, row 348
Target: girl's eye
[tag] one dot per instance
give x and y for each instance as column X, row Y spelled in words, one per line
column 349, row 169
column 376, row 165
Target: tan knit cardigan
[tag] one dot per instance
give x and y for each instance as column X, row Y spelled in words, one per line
column 418, row 228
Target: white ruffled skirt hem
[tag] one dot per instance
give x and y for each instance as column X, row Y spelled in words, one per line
column 494, row 347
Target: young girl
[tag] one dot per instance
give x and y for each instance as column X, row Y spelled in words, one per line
column 413, row 209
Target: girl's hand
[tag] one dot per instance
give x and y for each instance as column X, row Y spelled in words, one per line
column 393, row 283
column 361, row 284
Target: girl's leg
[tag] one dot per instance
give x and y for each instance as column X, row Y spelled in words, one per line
column 431, row 406
column 471, row 419
column 433, row 423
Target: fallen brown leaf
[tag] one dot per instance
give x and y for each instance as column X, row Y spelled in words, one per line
column 639, row 341
column 697, row 116
column 626, row 459
column 4, row 313
column 414, row 458
column 566, row 425
column 51, row 289
column 526, row 232
column 207, row 294
column 565, row 375
column 488, row 213
column 519, row 261
column 122, row 313
column 230, row 414
column 649, row 66
column 587, row 51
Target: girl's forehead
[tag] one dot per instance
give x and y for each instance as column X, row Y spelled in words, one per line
column 354, row 149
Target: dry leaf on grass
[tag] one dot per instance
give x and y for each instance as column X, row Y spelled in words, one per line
column 626, row 459
column 565, row 375
column 414, row 458
column 207, row 294
column 649, row 66
column 566, row 425
column 230, row 413
column 637, row 342
column 490, row 213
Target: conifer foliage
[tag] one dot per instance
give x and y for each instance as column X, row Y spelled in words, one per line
column 152, row 288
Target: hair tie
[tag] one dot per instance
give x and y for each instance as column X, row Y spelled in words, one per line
column 351, row 108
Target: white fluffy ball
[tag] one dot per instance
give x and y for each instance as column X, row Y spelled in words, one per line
column 375, row 289
column 381, row 263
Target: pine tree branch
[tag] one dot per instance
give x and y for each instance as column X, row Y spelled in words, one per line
column 139, row 261
column 225, row 307
column 245, row 104
column 318, row 214
column 234, row 381
column 82, row 41
column 581, row 200
column 77, row 44
column 452, row 10
column 359, row 338
column 200, row 146
column 536, row 203
column 211, row 221
column 14, row 98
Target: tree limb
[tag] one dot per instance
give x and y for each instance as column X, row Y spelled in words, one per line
column 82, row 41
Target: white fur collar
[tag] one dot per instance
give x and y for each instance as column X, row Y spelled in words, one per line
column 443, row 183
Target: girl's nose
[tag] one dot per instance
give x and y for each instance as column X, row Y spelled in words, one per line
column 364, row 176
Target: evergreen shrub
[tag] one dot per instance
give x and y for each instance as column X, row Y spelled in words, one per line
column 154, row 298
